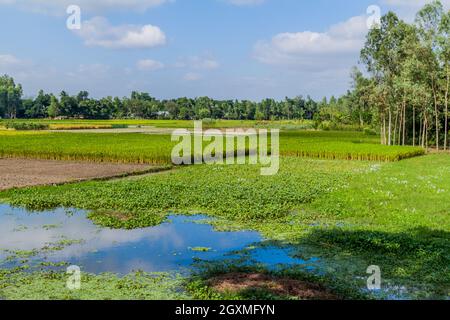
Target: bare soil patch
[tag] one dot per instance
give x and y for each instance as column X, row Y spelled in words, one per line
column 17, row 173
column 239, row 282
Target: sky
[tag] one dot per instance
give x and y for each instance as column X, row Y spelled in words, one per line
column 225, row 49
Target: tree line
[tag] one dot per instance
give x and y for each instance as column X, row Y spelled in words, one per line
column 402, row 91
column 143, row 105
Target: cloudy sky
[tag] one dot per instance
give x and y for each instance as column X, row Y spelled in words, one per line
column 245, row 49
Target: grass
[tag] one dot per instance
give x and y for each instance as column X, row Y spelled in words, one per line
column 92, row 147
column 393, row 215
column 122, row 148
column 349, row 214
column 51, row 285
column 156, row 149
column 343, row 145
column 236, row 192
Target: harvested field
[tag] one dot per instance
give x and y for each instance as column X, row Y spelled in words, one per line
column 16, row 173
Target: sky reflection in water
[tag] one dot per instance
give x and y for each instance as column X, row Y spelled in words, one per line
column 165, row 247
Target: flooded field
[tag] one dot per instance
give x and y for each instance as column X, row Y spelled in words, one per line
column 68, row 236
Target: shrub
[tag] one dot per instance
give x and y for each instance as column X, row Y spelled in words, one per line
column 23, row 126
column 369, row 132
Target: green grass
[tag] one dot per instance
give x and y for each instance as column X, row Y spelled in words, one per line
column 51, row 285
column 236, row 192
column 135, row 148
column 393, row 215
column 109, row 147
column 156, row 149
column 349, row 214
column 343, row 145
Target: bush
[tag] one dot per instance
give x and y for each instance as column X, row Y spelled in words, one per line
column 23, row 126
column 369, row 132
column 325, row 125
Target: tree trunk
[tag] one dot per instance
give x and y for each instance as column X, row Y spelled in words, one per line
column 414, row 126
column 446, row 111
column 390, row 127
column 404, row 123
column 436, row 110
column 424, row 130
column 394, row 138
column 382, row 129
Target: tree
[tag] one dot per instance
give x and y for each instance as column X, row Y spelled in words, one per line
column 444, row 57
column 38, row 108
column 428, row 20
column 382, row 54
column 10, row 97
column 53, row 110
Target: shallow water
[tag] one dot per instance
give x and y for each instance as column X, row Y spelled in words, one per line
column 170, row 246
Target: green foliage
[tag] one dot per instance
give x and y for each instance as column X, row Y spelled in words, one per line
column 236, row 192
column 157, row 149
column 26, row 126
column 51, row 285
column 342, row 145
column 369, row 132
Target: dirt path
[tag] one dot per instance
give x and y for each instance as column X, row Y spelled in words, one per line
column 15, row 173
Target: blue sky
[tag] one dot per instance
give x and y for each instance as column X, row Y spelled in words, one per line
column 244, row 49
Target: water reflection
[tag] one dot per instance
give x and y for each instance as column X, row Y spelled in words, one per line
column 161, row 248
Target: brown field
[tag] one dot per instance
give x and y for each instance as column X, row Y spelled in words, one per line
column 18, row 173
column 239, row 282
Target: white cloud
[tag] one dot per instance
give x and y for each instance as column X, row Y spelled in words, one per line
column 149, row 65
column 99, row 32
column 306, row 47
column 59, row 6
column 8, row 60
column 12, row 65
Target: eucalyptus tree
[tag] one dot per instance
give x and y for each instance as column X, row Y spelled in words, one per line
column 429, row 22
column 444, row 57
column 382, row 54
column 361, row 89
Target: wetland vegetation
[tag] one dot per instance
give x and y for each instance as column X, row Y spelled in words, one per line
column 363, row 181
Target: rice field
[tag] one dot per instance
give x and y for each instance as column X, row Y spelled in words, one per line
column 156, row 149
column 105, row 124
column 343, row 146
